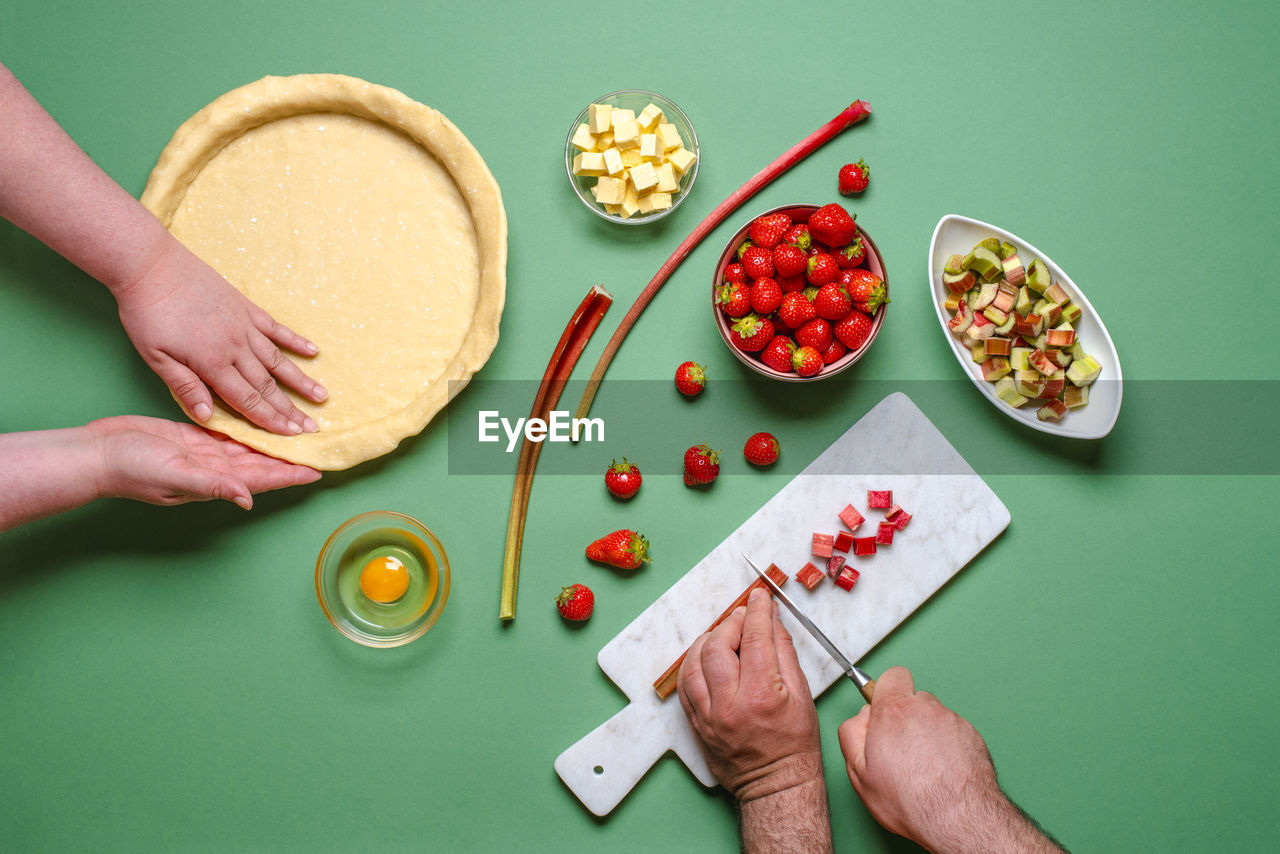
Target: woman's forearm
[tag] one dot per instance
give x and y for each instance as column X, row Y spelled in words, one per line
column 52, row 190
column 45, row 472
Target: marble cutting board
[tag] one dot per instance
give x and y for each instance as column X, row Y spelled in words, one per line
column 894, row 446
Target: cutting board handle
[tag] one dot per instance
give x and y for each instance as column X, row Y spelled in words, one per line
column 606, row 763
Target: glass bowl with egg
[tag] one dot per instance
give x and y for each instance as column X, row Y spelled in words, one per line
column 382, row 578
column 632, row 156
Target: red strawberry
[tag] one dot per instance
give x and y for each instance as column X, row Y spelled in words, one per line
column 816, row 334
column 852, row 255
column 690, row 378
column 854, row 330
column 624, row 549
column 834, row 352
column 832, row 301
column 575, row 602
column 743, row 247
column 798, row 237
column 734, row 299
column 788, row 260
column 865, row 288
column 853, row 178
column 701, row 465
column 762, row 449
column 735, row 273
column 751, row 333
column 822, row 268
column 796, row 310
column 767, row 230
column 766, row 296
column 622, row 479
column 832, row 225
column 807, row 361
column 757, row 262
column 777, row 353
column 791, row 283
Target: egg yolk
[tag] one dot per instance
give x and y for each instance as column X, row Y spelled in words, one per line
column 384, row 579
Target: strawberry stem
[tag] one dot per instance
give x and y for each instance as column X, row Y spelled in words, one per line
column 855, row 112
column 572, row 341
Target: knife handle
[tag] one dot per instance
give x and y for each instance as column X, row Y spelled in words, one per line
column 868, row 689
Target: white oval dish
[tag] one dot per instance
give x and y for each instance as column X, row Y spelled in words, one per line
column 958, row 234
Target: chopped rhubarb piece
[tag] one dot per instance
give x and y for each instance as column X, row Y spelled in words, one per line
column 834, row 564
column 900, row 521
column 1042, row 363
column 1057, row 293
column 843, row 542
column 1029, row 326
column 1005, row 299
column 1060, row 337
column 879, row 500
column 995, row 368
column 958, row 283
column 960, row 323
column 851, row 517
column 1053, row 410
column 863, row 546
column 1053, row 387
column 847, row 578
column 997, row 346
column 884, row 534
column 809, row 575
column 986, row 296
column 892, row 513
column 981, row 328
column 822, row 544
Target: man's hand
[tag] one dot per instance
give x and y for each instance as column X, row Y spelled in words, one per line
column 163, row 462
column 925, row 773
column 753, row 716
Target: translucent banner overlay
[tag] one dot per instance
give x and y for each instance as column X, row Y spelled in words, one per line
column 1165, row 427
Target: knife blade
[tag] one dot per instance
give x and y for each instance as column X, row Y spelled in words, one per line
column 866, row 685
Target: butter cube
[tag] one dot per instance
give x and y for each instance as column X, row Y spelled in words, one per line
column 599, row 116
column 631, row 204
column 604, row 140
column 667, row 180
column 649, row 148
column 631, row 157
column 669, row 136
column 620, row 115
column 683, row 159
column 615, row 210
column 643, row 177
column 583, row 138
column 610, row 191
column 589, row 163
column 626, row 134
column 650, row 116
column 613, row 161
column 655, row 202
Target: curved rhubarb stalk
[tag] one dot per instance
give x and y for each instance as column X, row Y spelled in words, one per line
column 574, row 338
column 855, row 112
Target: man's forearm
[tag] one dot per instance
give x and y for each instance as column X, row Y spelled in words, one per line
column 46, row 472
column 794, row 819
column 51, row 189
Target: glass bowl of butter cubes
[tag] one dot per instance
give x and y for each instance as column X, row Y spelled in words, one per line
column 632, row 156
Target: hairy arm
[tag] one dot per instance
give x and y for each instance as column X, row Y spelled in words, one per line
column 753, row 717
column 45, row 472
column 925, row 773
column 190, row 326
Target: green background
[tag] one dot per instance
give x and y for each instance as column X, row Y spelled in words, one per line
column 167, row 681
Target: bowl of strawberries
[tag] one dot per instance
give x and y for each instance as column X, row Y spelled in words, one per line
column 799, row 292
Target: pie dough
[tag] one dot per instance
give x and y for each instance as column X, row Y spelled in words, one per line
column 364, row 221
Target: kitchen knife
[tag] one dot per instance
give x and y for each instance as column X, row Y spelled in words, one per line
column 865, row 683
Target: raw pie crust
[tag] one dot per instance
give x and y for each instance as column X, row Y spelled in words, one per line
column 361, row 219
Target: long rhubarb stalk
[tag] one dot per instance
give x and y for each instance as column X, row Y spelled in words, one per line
column 855, row 112
column 572, row 341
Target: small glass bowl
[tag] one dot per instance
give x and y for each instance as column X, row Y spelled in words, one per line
column 363, row 538
column 635, row 100
column 800, row 213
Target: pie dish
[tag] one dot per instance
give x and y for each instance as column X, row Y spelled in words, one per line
column 361, row 219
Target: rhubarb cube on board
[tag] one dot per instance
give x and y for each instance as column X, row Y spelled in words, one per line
column 847, row 578
column 843, row 542
column 834, row 564
column 892, row 513
column 900, row 521
column 851, row 517
column 879, row 500
column 884, row 534
column 864, row 546
column 822, row 544
column 809, row 575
